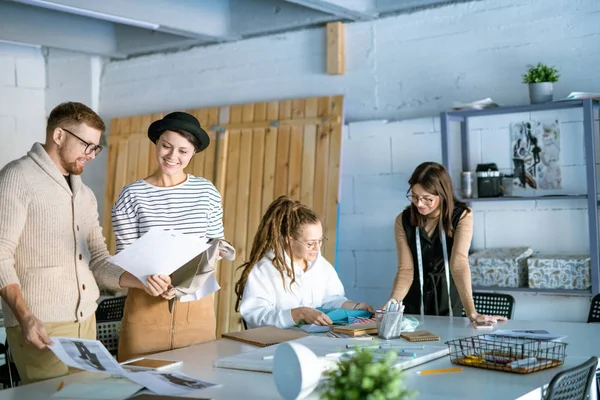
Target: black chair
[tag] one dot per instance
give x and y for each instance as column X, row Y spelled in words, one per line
column 493, row 304
column 594, row 315
column 573, row 383
column 9, row 376
column 108, row 322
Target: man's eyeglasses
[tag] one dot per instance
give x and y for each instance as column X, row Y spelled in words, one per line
column 89, row 147
column 427, row 201
column 314, row 245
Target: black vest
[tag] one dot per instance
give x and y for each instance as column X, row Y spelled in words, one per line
column 435, row 298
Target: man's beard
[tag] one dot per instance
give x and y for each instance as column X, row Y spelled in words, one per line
column 72, row 168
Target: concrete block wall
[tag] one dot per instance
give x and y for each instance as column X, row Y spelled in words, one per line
column 76, row 77
column 22, row 103
column 401, row 67
column 374, row 185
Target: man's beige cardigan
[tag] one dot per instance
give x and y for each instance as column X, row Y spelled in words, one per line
column 51, row 243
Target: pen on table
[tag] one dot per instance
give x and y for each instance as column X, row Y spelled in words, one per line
column 268, row 357
column 438, row 371
column 339, row 354
column 371, row 346
column 60, row 386
column 401, row 346
column 406, row 354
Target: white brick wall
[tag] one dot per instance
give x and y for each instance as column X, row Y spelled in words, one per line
column 76, row 77
column 406, row 66
column 22, row 88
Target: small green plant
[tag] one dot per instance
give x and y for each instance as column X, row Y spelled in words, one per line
column 541, row 73
column 361, row 377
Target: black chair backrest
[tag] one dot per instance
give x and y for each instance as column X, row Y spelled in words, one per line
column 594, row 315
column 573, row 383
column 110, row 309
column 494, row 304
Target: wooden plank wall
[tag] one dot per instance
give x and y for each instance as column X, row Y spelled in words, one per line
column 258, row 152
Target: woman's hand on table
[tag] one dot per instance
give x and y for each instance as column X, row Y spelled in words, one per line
column 310, row 316
column 364, row 306
column 481, row 319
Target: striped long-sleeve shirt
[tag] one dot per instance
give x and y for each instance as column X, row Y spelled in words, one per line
column 192, row 207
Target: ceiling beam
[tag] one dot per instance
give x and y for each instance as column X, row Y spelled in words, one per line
column 31, row 25
column 356, row 10
column 190, row 18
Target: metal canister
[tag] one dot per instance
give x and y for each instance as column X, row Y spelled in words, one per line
column 466, row 184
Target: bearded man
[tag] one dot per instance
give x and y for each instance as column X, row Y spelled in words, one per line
column 52, row 252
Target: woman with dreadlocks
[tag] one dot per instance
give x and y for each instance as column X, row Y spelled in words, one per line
column 287, row 278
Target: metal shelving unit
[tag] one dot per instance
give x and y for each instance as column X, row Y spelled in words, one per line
column 588, row 107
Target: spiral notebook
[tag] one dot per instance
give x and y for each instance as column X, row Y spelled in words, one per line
column 420, row 336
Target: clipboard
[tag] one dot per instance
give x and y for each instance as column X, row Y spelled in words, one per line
column 265, row 336
column 369, row 328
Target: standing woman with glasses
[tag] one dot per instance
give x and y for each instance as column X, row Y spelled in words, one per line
column 169, row 199
column 433, row 237
column 287, row 278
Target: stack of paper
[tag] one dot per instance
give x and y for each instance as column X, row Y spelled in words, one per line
column 163, row 252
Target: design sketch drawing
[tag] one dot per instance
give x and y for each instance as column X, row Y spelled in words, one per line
column 536, row 153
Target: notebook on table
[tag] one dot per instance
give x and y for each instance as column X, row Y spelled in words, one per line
column 369, row 328
column 420, row 336
column 265, row 336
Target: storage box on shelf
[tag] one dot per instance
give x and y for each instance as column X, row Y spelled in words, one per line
column 559, row 271
column 588, row 106
column 501, row 267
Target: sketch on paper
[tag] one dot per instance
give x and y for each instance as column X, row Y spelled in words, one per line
column 89, row 355
column 536, row 153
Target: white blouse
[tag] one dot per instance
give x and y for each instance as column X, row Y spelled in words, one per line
column 268, row 301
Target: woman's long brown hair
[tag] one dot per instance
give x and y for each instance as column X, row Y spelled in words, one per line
column 282, row 221
column 434, row 179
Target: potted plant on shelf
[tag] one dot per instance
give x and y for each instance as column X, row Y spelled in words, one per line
column 363, row 376
column 541, row 80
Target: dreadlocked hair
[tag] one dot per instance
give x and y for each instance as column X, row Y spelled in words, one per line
column 283, row 220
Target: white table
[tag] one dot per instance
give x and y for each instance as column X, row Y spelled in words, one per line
column 471, row 383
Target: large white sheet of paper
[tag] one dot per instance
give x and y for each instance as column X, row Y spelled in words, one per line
column 168, row 383
column 107, row 389
column 210, row 286
column 159, row 252
column 535, row 334
column 89, row 355
column 261, row 359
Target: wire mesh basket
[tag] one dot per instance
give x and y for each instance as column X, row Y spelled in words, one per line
column 510, row 354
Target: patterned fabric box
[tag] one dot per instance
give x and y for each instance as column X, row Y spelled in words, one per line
column 502, row 267
column 547, row 271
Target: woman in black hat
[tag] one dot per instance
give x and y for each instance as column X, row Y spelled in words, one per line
column 168, row 199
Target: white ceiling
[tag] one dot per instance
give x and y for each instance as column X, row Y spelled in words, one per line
column 126, row 28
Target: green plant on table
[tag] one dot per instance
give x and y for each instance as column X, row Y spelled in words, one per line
column 362, row 376
column 541, row 73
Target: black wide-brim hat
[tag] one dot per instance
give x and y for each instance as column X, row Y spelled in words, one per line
column 179, row 121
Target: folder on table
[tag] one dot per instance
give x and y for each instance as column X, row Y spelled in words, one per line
column 265, row 336
column 420, row 336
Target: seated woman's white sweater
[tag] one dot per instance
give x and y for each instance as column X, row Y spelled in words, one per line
column 267, row 300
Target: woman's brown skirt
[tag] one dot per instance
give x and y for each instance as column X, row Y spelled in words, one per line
column 148, row 326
